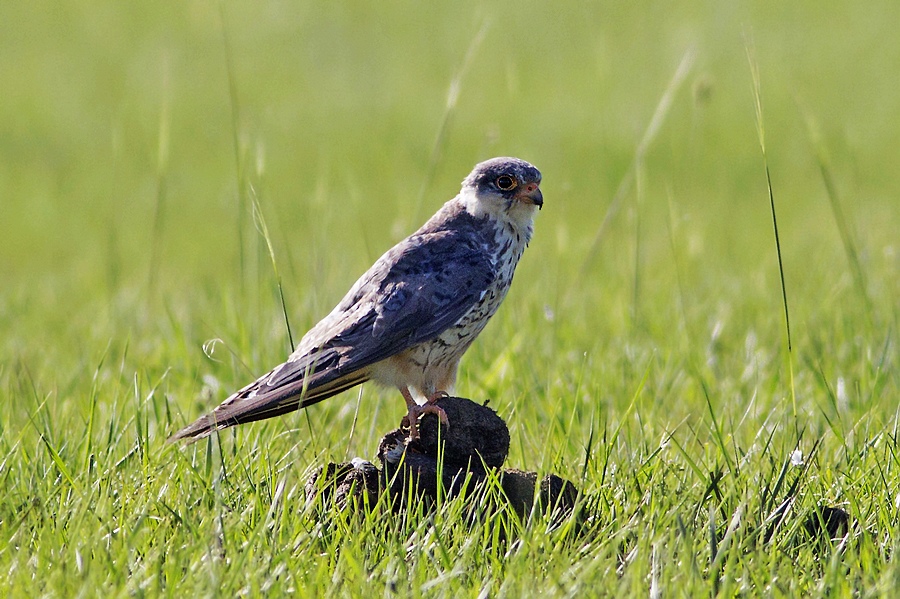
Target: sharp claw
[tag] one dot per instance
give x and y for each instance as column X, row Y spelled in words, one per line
column 412, row 418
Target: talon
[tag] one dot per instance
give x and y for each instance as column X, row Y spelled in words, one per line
column 438, row 395
column 414, row 410
column 440, row 413
column 412, row 418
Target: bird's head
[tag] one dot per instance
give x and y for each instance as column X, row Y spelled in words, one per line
column 507, row 188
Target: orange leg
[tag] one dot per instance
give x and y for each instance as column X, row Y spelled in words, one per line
column 414, row 410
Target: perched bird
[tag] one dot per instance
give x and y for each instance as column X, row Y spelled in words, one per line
column 408, row 320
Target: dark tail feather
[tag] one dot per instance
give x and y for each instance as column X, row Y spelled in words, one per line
column 241, row 407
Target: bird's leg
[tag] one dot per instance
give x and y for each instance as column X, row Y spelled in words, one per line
column 414, row 410
column 437, row 395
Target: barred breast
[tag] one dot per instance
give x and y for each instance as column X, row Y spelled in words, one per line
column 436, row 360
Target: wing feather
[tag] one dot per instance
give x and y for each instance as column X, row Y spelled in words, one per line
column 412, row 294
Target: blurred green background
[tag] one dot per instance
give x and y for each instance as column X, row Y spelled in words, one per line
column 643, row 358
column 131, row 136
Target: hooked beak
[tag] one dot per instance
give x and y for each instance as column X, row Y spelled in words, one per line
column 531, row 194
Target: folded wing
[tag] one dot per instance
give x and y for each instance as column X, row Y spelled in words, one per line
column 412, row 294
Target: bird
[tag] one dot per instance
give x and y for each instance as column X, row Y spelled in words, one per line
column 408, row 320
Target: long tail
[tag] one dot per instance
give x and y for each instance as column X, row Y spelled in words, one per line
column 284, row 389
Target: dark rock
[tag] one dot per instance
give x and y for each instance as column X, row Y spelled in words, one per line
column 828, row 522
column 475, row 444
column 477, row 440
column 357, row 483
column 519, row 489
column 323, row 481
column 405, row 469
column 475, row 435
column 555, row 494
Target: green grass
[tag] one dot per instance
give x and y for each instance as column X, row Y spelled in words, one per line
column 145, row 150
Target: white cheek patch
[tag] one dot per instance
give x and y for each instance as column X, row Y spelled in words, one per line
column 475, row 206
column 518, row 215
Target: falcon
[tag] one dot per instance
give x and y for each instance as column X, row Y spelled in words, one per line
column 409, row 319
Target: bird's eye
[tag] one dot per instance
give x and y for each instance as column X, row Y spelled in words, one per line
column 505, row 182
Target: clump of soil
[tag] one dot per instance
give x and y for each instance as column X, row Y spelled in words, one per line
column 447, row 460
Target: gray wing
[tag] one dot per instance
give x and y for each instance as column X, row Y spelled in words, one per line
column 412, row 294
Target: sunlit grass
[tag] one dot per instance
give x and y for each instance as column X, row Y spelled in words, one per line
column 180, row 183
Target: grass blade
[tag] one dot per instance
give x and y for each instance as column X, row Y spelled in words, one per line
column 814, row 133
column 761, row 133
column 263, row 229
column 650, row 133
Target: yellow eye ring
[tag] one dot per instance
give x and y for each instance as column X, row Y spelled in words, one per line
column 505, row 182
